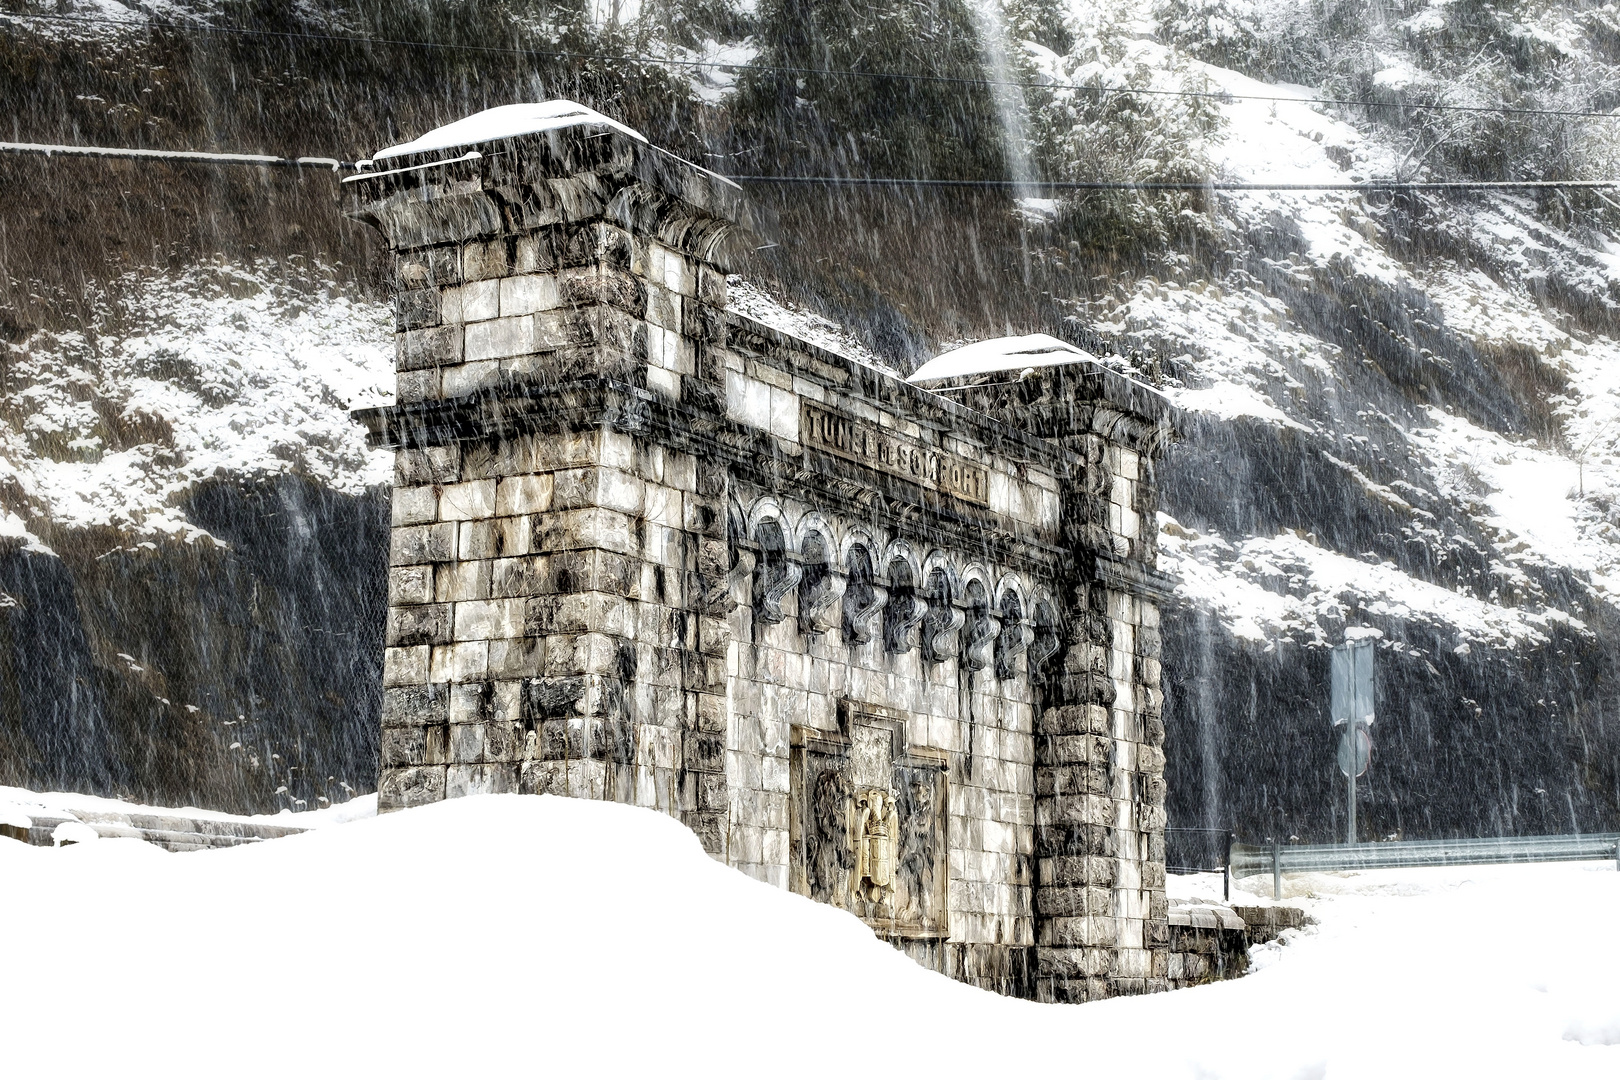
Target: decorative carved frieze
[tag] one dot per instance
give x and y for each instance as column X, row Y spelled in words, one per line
column 864, row 604
column 939, row 630
column 1013, row 638
column 775, row 578
column 901, row 616
column 821, row 594
column 979, row 639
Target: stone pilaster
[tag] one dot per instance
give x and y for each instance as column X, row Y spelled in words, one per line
column 1100, row 904
column 560, row 580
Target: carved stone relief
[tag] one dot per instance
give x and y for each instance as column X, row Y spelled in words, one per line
column 864, row 601
column 869, row 825
column 904, row 612
column 942, row 622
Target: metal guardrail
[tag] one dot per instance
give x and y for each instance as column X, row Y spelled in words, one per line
column 1248, row 860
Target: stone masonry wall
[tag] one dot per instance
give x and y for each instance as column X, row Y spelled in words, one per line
column 646, row 549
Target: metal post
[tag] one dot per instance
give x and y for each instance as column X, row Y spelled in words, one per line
column 1226, row 880
column 1276, row 870
column 1350, row 821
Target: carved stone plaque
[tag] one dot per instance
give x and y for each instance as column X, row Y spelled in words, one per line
column 868, row 825
column 871, row 445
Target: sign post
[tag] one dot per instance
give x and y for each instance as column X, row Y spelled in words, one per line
column 1352, row 709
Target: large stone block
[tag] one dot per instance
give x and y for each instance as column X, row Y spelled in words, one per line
column 1096, row 870
column 1073, row 963
column 575, row 779
column 416, row 350
column 410, row 585
column 431, row 465
column 593, row 527
column 573, row 696
column 400, row 789
column 1100, row 931
column 1057, row 750
column 405, row 666
column 1071, row 901
column 406, row 706
column 415, row 308
column 423, row 624
column 516, row 658
column 422, row 544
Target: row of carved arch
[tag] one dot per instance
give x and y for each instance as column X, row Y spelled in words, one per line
column 891, row 592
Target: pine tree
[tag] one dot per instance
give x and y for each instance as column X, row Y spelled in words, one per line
column 915, row 123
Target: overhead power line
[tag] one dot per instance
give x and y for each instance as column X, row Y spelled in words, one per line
column 192, row 157
column 1179, row 185
column 555, row 54
column 326, row 164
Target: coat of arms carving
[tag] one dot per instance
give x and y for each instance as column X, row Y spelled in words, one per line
column 868, row 824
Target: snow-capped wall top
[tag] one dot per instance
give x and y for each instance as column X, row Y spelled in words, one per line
column 505, row 122
column 1000, row 354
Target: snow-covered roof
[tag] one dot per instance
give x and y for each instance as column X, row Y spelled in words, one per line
column 505, row 122
column 1000, row 354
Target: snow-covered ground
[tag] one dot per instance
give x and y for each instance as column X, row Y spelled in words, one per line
column 508, row 934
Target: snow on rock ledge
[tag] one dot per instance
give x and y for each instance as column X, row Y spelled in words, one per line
column 1001, row 354
column 223, row 371
column 1266, row 588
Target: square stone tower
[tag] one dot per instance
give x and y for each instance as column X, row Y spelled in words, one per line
column 894, row 651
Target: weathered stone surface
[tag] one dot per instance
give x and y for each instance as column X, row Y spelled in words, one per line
column 425, row 624
column 422, row 544
column 403, row 706
column 401, row 789
column 418, row 349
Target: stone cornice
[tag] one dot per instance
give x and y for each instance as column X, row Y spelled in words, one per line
column 839, row 485
column 1131, row 576
column 1076, row 399
column 515, row 185
column 856, row 381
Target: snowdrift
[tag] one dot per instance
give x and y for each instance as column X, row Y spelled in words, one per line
column 545, row 936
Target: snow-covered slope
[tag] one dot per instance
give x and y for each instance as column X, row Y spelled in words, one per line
column 219, row 371
column 1404, row 412
column 1242, row 345
column 545, row 936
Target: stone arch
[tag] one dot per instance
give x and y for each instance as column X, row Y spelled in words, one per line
column 906, row 607
column 814, row 525
column 981, row 626
column 767, row 509
column 901, row 552
column 865, row 596
column 821, row 583
column 1011, row 582
column 776, row 572
column 939, row 559
column 858, row 537
column 941, row 589
column 1014, row 637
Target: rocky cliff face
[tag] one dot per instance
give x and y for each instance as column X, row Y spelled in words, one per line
column 242, row 673
column 1404, row 410
column 191, row 580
